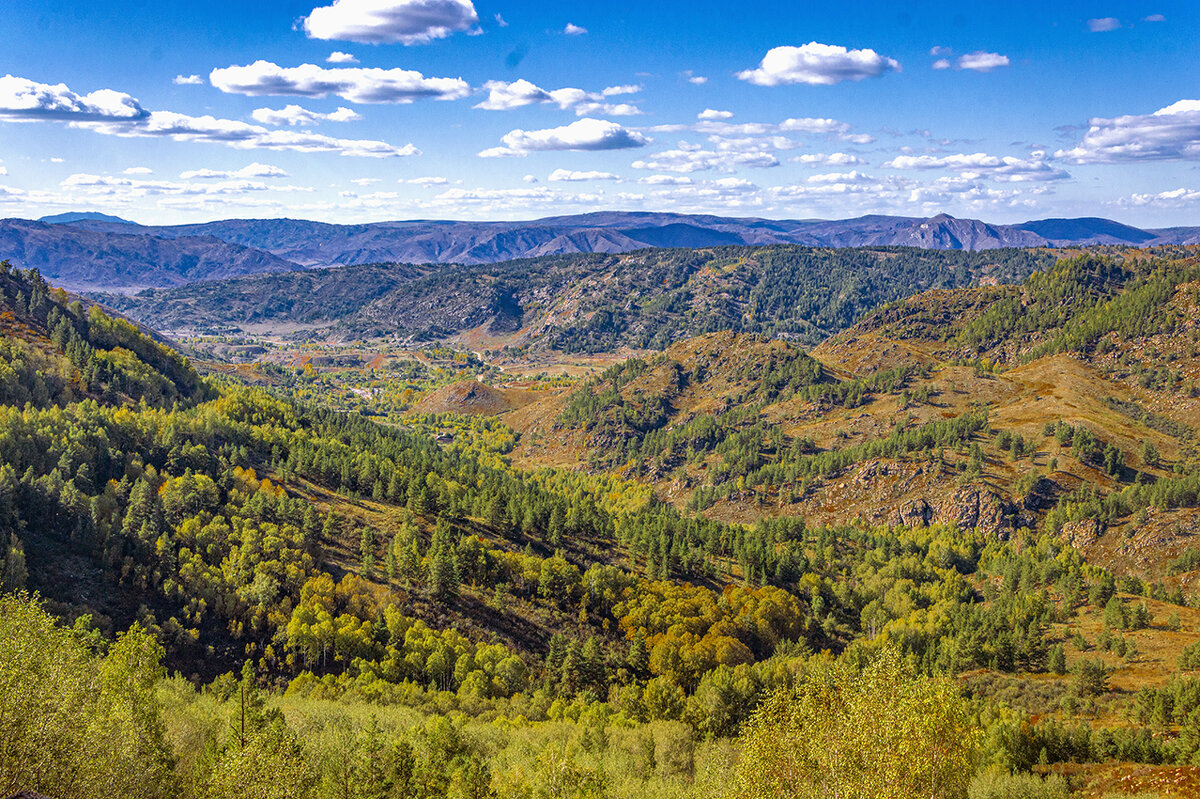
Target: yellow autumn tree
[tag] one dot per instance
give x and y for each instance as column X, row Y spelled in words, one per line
column 882, row 732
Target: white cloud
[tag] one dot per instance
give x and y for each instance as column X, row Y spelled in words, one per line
column 241, row 135
column 853, row 176
column 692, row 160
column 255, row 170
column 1003, row 168
column 585, row 134
column 574, row 30
column 942, row 63
column 1168, row 199
column 3, row 170
column 818, row 64
column 391, row 21
column 981, row 61
column 24, row 99
column 338, row 57
column 188, row 80
column 1171, row 133
column 665, row 180
column 827, row 159
column 504, row 96
column 364, row 181
column 115, row 113
column 940, row 51
column 693, row 78
column 295, row 115
column 530, row 179
column 459, row 195
column 568, row 176
column 132, row 187
column 429, row 181
column 1103, row 24
column 356, row 84
column 711, row 113
column 138, row 170
column 1154, row 18
column 814, row 125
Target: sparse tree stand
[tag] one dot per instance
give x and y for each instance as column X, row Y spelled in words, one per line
column 882, row 732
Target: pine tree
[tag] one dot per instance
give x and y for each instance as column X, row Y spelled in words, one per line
column 443, row 566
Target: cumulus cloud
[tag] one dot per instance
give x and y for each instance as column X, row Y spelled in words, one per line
column 569, row 176
column 1167, row 199
column 732, row 145
column 819, row 65
column 814, row 125
column 827, row 159
column 115, row 113
column 242, row 135
column 853, row 176
column 503, row 96
column 1002, row 168
column 1170, row 133
column 1154, row 18
column 665, row 180
column 1103, row 24
column 692, row 78
column 530, row 179
column 356, row 84
column 391, row 21
column 710, row 114
column 255, row 170
column 981, row 61
column 942, row 63
column 23, row 99
column 137, row 170
column 364, row 181
column 574, row 30
column 700, row 160
column 584, row 134
column 188, row 80
column 295, row 115
column 427, row 181
column 338, row 57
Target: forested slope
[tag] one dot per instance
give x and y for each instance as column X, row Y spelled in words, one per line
column 436, row 607
column 588, row 303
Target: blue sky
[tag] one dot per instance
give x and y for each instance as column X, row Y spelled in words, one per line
column 364, row 110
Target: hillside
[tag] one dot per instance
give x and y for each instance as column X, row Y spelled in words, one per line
column 586, row 303
column 983, row 494
column 128, row 258
column 993, row 407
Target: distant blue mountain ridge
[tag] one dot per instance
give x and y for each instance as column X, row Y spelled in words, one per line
column 97, row 251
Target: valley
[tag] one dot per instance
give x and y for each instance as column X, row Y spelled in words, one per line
column 978, row 471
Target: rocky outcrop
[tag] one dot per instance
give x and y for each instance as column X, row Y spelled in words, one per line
column 915, row 513
column 973, row 507
column 1082, row 534
column 968, row 508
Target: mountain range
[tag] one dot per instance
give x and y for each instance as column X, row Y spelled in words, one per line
column 92, row 251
